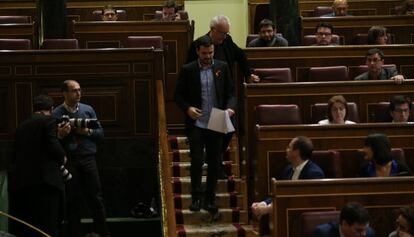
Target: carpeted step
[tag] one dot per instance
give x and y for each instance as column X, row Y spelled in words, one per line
column 208, row 230
column 228, row 200
column 177, row 143
column 235, row 215
column 182, row 169
column 183, row 155
column 183, row 185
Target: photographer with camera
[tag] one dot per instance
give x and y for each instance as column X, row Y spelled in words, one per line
column 36, row 179
column 79, row 137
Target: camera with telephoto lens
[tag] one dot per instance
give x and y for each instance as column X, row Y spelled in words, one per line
column 91, row 123
column 65, row 173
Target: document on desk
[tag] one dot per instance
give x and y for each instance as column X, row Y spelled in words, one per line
column 220, row 121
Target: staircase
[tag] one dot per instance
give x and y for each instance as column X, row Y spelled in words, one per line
column 231, row 196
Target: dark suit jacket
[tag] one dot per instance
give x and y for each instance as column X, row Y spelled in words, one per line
column 310, row 171
column 188, row 89
column 39, row 154
column 231, row 52
column 332, row 230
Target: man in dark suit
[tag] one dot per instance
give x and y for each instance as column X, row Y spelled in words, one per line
column 36, row 181
column 203, row 84
column 353, row 222
column 298, row 152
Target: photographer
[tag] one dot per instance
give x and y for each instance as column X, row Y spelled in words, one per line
column 36, row 182
column 78, row 141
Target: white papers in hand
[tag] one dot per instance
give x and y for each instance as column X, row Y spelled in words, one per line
column 220, row 121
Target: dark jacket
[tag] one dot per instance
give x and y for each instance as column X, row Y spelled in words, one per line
column 397, row 169
column 230, row 53
column 332, row 230
column 277, row 41
column 39, row 154
column 188, row 89
column 386, row 74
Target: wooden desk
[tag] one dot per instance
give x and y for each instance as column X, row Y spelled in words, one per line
column 401, row 28
column 259, row 9
column 380, row 196
column 20, row 31
column 177, row 38
column 300, row 59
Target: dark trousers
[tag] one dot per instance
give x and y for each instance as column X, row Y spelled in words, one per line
column 85, row 184
column 40, row 206
column 211, row 141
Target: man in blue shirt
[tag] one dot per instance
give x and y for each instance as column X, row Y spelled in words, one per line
column 79, row 143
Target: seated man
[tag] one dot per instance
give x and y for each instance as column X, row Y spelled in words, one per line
column 339, row 7
column 169, row 11
column 374, row 60
column 298, row 153
column 324, row 34
column 267, row 36
column 109, row 13
column 400, row 107
column 353, row 222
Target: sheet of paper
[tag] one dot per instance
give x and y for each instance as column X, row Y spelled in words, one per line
column 220, row 121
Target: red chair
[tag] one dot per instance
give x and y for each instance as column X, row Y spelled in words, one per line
column 60, row 44
column 364, row 68
column 318, row 112
column 15, row 44
column 310, row 220
column 122, row 16
column 273, row 75
column 334, row 73
column 277, row 114
column 250, row 38
column 382, row 112
column 14, row 19
column 183, row 14
column 309, row 40
column 329, row 161
column 322, row 10
column 144, row 41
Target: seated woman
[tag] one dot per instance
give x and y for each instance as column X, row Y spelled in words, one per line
column 404, row 222
column 377, row 149
column 336, row 111
column 377, row 35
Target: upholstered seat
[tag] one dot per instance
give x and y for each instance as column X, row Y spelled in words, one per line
column 382, row 112
column 309, row 40
column 277, row 114
column 275, row 75
column 122, row 16
column 310, row 220
column 334, row 73
column 361, row 39
column 60, row 44
column 144, row 41
column 183, row 15
column 14, row 19
column 329, row 161
column 250, row 38
column 363, row 68
column 319, row 110
column 322, row 10
column 15, row 44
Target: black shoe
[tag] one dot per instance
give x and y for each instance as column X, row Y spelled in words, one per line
column 211, row 208
column 195, row 205
column 222, row 172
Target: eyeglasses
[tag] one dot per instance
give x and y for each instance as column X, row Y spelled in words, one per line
column 323, row 34
column 222, row 33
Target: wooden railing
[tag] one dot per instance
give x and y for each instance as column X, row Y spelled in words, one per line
column 168, row 214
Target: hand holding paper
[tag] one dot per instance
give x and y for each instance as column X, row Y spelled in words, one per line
column 220, row 121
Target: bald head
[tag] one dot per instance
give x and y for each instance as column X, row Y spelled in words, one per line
column 340, row 7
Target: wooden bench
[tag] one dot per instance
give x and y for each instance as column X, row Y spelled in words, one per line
column 380, row 196
column 400, row 28
column 20, row 31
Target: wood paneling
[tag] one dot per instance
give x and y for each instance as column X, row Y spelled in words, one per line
column 20, row 31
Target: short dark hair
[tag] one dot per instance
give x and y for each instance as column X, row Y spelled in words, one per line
column 265, row 23
column 354, row 213
column 380, row 146
column 204, row 41
column 373, row 51
column 408, row 214
column 374, row 33
column 336, row 99
column 170, row 4
column 324, row 24
column 305, row 147
column 399, row 100
column 42, row 102
column 108, row 7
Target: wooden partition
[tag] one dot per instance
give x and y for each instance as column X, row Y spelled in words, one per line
column 380, row 196
column 259, row 9
column 401, row 28
column 177, row 38
column 300, row 59
column 20, row 31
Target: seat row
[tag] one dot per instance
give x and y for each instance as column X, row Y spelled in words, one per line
column 285, row 114
column 25, row 44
